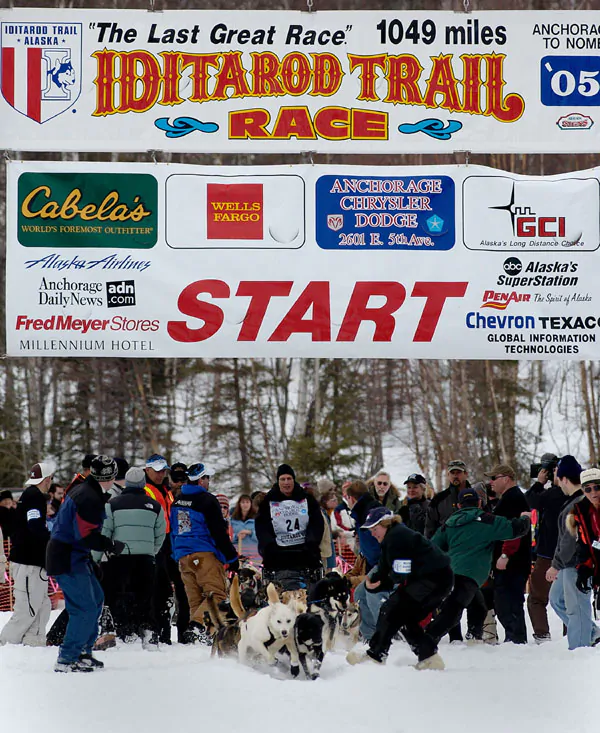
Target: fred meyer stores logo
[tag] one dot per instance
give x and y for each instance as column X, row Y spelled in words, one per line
column 87, row 210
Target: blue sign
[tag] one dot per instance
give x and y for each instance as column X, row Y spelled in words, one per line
column 570, row 81
column 387, row 212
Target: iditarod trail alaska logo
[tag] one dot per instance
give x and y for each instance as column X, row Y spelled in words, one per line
column 41, row 67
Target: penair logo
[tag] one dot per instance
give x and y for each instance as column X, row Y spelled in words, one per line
column 501, row 301
column 41, row 67
column 234, row 211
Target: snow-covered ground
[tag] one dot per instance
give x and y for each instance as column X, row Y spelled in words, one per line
column 504, row 689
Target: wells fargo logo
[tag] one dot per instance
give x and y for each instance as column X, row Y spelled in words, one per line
column 135, row 81
column 87, row 210
column 234, row 211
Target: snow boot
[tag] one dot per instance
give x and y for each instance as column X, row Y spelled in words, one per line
column 490, row 629
column 91, row 661
column 542, row 638
column 104, row 642
column 432, row 662
column 77, row 666
column 364, row 655
column 150, row 641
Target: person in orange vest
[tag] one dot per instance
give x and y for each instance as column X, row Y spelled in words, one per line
column 167, row 571
column 82, row 475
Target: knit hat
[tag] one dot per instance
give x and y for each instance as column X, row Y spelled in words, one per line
column 122, row 468
column 568, row 467
column 224, row 502
column 285, row 470
column 325, row 485
column 103, row 468
column 590, row 476
column 135, row 478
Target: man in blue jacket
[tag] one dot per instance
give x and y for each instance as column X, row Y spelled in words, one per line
column 201, row 546
column 76, row 532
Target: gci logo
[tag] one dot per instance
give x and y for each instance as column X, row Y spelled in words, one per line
column 512, row 266
column 120, row 293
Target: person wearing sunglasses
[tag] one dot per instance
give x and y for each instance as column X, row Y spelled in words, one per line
column 570, row 604
column 586, row 515
column 382, row 488
column 512, row 559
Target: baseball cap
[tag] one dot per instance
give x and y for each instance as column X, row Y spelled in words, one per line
column 590, row 476
column 157, row 462
column 375, row 516
column 38, row 472
column 501, row 469
column 457, row 465
column 197, row 471
column 415, row 478
column 468, row 497
column 548, row 459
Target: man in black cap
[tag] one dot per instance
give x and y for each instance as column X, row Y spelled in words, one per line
column 289, row 527
column 512, row 558
column 547, row 500
column 76, row 532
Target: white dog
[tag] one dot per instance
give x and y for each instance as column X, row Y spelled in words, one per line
column 268, row 631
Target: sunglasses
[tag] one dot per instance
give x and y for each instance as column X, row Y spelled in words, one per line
column 500, row 475
column 589, row 489
column 382, row 483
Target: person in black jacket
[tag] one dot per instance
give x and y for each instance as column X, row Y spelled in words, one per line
column 289, row 527
column 76, row 532
column 422, row 574
column 29, row 538
column 548, row 503
column 414, row 508
column 512, row 559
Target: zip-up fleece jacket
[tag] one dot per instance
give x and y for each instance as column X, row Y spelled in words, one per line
column 136, row 520
column 29, row 533
column 468, row 536
column 406, row 556
column 565, row 555
column 197, row 525
column 77, row 530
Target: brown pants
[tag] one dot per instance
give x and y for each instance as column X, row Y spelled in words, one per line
column 537, row 600
column 202, row 574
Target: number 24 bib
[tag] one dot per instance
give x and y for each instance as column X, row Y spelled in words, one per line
column 290, row 520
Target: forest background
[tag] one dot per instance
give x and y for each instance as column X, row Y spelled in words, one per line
column 329, row 418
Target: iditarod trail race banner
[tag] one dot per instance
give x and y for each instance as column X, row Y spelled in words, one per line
column 281, row 82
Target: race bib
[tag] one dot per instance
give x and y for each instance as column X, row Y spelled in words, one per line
column 402, row 567
column 184, row 522
column 596, row 544
column 33, row 514
column 290, row 520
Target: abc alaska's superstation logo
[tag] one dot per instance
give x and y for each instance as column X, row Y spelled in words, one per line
column 41, row 67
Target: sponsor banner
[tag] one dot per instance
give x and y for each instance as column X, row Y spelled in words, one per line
column 280, row 81
column 309, row 261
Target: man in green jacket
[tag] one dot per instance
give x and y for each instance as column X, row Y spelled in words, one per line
column 468, row 536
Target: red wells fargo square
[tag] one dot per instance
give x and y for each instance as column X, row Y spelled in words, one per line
column 234, row 211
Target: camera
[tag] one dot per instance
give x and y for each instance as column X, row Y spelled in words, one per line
column 548, row 465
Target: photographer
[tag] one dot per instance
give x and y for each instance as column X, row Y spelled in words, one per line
column 547, row 499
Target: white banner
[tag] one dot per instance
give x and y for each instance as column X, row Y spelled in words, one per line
column 330, row 261
column 279, row 82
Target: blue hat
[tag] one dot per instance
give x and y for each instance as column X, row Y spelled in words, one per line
column 468, row 497
column 375, row 516
column 197, row 471
column 569, row 467
column 157, row 462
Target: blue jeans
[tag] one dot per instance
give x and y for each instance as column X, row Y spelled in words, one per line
column 370, row 605
column 83, row 599
column 574, row 609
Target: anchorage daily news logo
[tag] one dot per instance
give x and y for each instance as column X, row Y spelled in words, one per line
column 120, row 293
column 85, row 210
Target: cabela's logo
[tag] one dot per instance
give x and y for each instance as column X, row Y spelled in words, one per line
column 87, row 210
column 41, row 67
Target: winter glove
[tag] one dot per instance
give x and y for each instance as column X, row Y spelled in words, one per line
column 117, row 547
column 584, row 582
column 234, row 566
